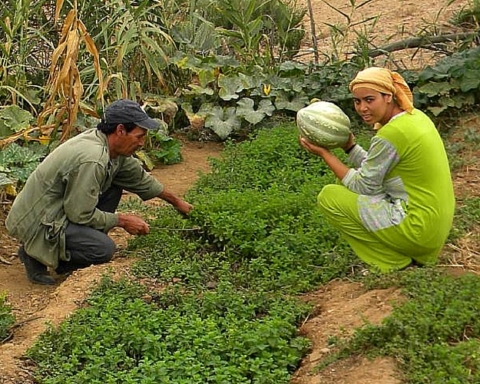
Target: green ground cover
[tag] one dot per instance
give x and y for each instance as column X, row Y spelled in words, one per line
column 228, row 310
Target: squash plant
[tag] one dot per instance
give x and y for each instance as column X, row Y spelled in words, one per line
column 228, row 97
column 13, row 119
column 452, row 84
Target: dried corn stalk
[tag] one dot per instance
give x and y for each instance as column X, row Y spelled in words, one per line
column 64, row 85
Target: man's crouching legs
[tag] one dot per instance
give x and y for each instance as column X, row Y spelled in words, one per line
column 86, row 246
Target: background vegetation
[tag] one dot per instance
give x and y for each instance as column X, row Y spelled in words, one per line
column 214, row 69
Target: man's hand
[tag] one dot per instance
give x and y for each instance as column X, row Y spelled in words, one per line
column 178, row 203
column 133, row 224
column 183, row 207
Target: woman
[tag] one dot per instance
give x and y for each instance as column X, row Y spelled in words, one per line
column 396, row 206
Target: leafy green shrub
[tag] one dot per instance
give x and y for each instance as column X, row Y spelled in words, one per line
column 6, row 318
column 231, row 99
column 451, row 84
column 279, row 237
column 18, row 162
column 272, row 157
column 13, row 119
column 162, row 148
column 171, row 252
column 258, row 204
column 252, row 28
column 283, row 250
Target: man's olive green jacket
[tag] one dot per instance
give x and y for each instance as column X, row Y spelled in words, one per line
column 66, row 187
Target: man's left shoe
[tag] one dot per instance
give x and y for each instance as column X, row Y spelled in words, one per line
column 36, row 272
column 64, row 268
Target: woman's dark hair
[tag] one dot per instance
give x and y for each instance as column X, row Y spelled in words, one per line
column 110, row 128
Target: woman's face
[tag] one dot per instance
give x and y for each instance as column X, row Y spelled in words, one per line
column 373, row 106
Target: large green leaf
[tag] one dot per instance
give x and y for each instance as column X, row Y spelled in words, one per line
column 4, row 180
column 197, row 33
column 436, row 88
column 291, row 102
column 5, row 131
column 185, row 61
column 246, row 109
column 293, row 67
column 14, row 119
column 293, row 84
column 252, row 81
column 470, row 81
column 230, row 87
column 223, row 122
column 198, row 90
column 430, row 73
column 206, row 76
column 437, row 110
column 459, row 101
column 204, row 110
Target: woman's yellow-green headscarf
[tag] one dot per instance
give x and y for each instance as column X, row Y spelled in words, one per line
column 385, row 81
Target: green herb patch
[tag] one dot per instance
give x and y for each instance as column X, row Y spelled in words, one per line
column 227, row 314
column 273, row 157
column 255, row 222
column 467, row 215
column 225, row 310
column 219, row 336
column 6, row 318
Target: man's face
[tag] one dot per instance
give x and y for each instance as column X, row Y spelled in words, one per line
column 129, row 142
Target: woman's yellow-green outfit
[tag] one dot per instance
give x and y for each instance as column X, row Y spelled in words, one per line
column 396, row 206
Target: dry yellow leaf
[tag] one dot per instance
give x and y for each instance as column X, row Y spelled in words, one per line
column 56, row 55
column 68, row 23
column 11, row 190
column 58, row 8
column 44, row 139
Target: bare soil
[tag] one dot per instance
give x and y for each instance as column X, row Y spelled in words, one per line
column 341, row 306
column 380, row 22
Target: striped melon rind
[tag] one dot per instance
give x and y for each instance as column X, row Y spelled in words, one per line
column 324, row 124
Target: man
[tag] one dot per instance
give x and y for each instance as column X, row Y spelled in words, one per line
column 67, row 206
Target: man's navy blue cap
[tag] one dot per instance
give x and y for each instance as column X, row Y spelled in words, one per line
column 128, row 111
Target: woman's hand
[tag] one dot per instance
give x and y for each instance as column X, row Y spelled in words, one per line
column 312, row 148
column 330, row 159
column 350, row 143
